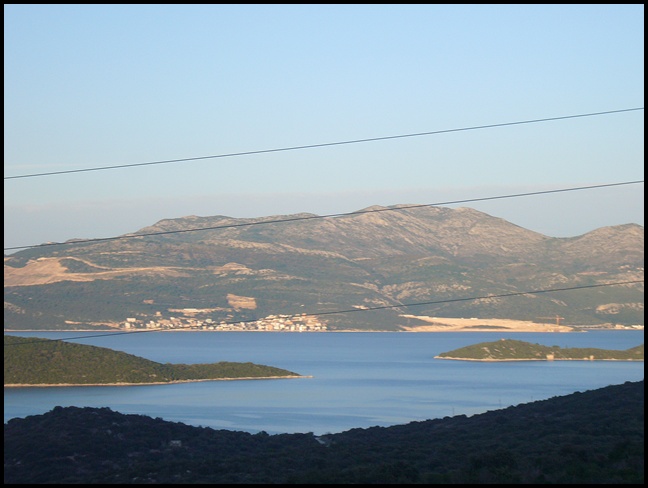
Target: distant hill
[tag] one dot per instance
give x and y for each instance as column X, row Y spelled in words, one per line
column 592, row 437
column 241, row 270
column 512, row 350
column 35, row 361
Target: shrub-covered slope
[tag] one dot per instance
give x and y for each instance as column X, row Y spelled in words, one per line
column 593, row 437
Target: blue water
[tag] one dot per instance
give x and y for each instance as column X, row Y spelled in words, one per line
column 358, row 379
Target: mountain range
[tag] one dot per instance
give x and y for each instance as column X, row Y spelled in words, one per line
column 365, row 270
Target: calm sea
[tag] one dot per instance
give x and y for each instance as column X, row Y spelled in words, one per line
column 359, row 379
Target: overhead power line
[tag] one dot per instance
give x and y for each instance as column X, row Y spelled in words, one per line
column 351, row 310
column 326, row 144
column 314, row 217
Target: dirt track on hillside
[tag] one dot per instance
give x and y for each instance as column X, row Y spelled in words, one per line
column 45, row 271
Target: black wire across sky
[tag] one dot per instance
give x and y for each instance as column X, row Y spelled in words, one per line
column 302, row 217
column 325, row 144
column 314, row 217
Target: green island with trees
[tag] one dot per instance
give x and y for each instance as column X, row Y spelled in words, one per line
column 45, row 362
column 513, row 350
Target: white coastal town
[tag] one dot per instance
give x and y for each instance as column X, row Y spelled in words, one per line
column 276, row 323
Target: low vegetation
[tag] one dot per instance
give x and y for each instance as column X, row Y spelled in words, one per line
column 591, row 437
column 512, row 350
column 36, row 361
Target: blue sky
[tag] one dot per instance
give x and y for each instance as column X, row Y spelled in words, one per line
column 89, row 86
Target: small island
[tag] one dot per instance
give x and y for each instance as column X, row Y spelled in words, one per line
column 44, row 362
column 512, row 350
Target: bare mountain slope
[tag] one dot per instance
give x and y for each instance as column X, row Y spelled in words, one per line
column 377, row 257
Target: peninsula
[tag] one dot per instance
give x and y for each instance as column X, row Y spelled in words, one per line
column 44, row 362
column 513, row 350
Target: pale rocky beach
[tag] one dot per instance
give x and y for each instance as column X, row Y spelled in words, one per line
column 443, row 324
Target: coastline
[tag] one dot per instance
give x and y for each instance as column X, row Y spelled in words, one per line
column 408, row 329
column 415, row 323
column 535, row 359
column 55, row 385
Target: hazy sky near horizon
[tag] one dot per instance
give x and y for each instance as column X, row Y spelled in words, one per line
column 88, row 86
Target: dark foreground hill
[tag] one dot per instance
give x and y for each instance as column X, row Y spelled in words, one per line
column 591, row 437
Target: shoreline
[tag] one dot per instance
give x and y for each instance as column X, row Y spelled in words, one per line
column 535, row 359
column 411, row 329
column 55, row 385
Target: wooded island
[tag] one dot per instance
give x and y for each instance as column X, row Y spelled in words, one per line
column 512, row 350
column 44, row 362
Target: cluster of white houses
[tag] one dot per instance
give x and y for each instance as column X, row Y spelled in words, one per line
column 271, row 323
